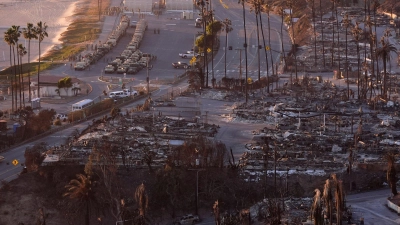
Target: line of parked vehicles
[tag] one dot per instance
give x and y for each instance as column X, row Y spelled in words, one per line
column 131, row 60
column 102, row 49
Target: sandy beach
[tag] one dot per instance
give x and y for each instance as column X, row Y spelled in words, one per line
column 56, row 14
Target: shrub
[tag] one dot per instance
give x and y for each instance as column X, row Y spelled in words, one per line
column 57, row 122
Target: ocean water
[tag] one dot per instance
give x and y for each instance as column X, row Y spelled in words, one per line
column 56, row 14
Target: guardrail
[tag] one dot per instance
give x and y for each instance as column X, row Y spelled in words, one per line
column 393, row 206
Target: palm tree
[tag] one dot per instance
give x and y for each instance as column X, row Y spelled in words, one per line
column 142, row 200
column 373, row 57
column 391, row 173
column 375, row 5
column 282, row 11
column 294, row 48
column 383, row 53
column 316, row 208
column 339, row 199
column 245, row 43
column 41, row 33
column 315, row 33
column 21, row 52
column 8, row 38
column 357, row 35
column 202, row 3
column 29, row 33
column 328, row 199
column 228, row 28
column 267, row 8
column 371, row 38
column 16, row 33
column 80, row 189
column 346, row 22
column 256, row 7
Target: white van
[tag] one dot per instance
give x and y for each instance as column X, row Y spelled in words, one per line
column 117, row 94
column 127, row 92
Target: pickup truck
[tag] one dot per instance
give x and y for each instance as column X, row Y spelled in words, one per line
column 188, row 54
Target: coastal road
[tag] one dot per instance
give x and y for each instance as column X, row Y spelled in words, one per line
column 8, row 171
column 372, row 207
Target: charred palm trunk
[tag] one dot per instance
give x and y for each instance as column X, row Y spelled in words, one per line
column 265, row 50
column 315, row 33
column 322, row 34
column 347, row 69
column 333, row 36
column 378, row 76
column 269, row 44
column 294, row 48
column 258, row 44
column 283, row 48
column 384, row 94
column 245, row 47
column 338, row 43
column 358, row 70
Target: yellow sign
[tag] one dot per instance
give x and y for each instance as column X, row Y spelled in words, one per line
column 249, row 80
column 208, row 50
column 193, row 58
column 15, row 162
column 267, row 48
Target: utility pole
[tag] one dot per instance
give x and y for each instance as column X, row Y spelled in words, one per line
column 240, row 68
column 197, row 185
column 147, row 78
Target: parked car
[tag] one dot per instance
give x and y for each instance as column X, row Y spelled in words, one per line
column 1, row 158
column 132, row 70
column 133, row 23
column 189, row 219
column 122, row 69
column 177, row 65
column 109, row 69
column 61, row 116
column 80, row 66
column 188, row 54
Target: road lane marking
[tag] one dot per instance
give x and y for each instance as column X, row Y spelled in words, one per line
column 9, row 170
column 16, row 174
column 376, row 214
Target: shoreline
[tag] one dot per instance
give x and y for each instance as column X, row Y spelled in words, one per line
column 64, row 21
column 56, row 14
